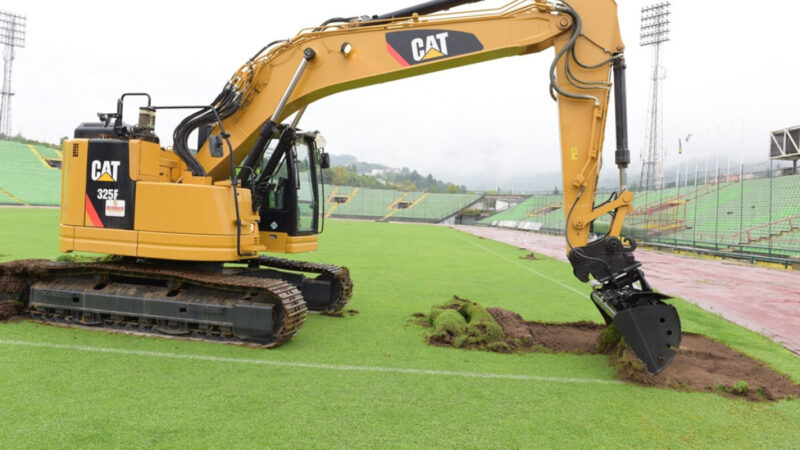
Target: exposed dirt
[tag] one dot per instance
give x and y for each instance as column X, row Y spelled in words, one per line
column 770, row 306
column 702, row 364
column 349, row 312
column 576, row 337
column 10, row 311
column 16, row 276
column 529, row 256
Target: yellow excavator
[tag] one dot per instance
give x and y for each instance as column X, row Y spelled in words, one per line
column 187, row 227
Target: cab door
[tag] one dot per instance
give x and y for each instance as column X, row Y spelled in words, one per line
column 291, row 209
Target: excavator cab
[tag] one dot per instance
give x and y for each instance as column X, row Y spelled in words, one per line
column 288, row 191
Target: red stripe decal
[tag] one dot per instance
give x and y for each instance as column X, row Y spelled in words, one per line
column 396, row 55
column 93, row 213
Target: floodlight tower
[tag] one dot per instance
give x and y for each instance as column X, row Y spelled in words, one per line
column 12, row 35
column 654, row 32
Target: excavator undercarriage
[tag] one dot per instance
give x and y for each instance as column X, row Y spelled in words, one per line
column 242, row 303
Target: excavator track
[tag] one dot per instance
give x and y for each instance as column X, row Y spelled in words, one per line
column 332, row 296
column 158, row 299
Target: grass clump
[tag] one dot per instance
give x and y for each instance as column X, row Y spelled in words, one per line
column 463, row 323
column 741, row 388
column 609, row 339
column 449, row 323
column 738, row 388
column 482, row 329
column 85, row 258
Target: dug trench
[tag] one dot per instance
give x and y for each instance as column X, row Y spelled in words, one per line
column 702, row 364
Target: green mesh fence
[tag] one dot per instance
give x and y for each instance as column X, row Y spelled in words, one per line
column 742, row 213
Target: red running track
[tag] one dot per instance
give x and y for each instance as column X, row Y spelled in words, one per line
column 761, row 299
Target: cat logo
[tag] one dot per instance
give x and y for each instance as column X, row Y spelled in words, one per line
column 433, row 46
column 105, row 171
column 410, row 47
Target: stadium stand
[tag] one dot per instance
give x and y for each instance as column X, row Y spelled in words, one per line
column 757, row 215
column 388, row 204
column 539, row 212
column 26, row 178
column 434, row 207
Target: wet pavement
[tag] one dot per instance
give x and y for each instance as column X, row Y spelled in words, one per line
column 761, row 299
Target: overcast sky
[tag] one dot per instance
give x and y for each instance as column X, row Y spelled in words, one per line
column 731, row 74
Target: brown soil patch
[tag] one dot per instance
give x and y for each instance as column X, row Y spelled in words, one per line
column 10, row 311
column 529, row 256
column 577, row 337
column 16, row 276
column 349, row 312
column 702, row 364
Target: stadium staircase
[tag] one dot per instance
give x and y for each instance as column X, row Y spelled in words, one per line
column 395, row 209
column 12, row 197
column 29, row 174
column 547, row 209
column 335, row 204
column 768, row 231
column 657, row 205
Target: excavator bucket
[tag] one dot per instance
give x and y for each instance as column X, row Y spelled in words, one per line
column 652, row 332
column 652, row 329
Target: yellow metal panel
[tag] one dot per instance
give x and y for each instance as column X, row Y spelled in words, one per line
column 276, row 242
column 191, row 179
column 66, row 238
column 193, row 222
column 273, row 242
column 301, row 244
column 105, row 240
column 193, row 247
column 149, row 162
column 73, row 182
column 189, row 208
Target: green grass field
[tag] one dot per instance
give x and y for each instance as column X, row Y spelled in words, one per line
column 367, row 380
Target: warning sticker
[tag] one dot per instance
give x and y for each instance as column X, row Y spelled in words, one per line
column 115, row 208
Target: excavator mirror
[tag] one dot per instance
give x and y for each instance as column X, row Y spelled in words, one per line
column 324, row 160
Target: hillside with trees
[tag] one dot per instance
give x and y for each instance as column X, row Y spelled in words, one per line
column 346, row 170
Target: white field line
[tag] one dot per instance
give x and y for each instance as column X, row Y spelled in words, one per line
column 528, row 268
column 302, row 365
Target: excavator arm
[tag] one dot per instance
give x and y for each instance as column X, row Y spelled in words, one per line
column 348, row 53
